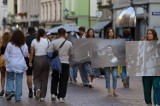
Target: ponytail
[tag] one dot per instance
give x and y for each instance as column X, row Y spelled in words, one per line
column 41, row 33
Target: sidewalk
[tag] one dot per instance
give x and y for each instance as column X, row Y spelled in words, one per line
column 78, row 95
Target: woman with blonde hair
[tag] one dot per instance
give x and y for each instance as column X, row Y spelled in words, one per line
column 3, row 43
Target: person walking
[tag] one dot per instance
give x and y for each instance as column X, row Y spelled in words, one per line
column 125, row 78
column 151, row 81
column 29, row 39
column 112, row 70
column 60, row 79
column 14, row 55
column 90, row 71
column 3, row 44
column 81, row 66
column 41, row 66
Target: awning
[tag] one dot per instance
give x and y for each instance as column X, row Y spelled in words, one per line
column 126, row 18
column 67, row 27
column 100, row 25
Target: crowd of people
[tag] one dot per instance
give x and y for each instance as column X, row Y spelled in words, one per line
column 20, row 54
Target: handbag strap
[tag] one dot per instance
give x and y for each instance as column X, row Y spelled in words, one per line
column 62, row 44
column 22, row 52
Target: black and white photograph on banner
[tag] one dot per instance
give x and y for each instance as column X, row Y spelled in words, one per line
column 108, row 53
column 83, row 49
column 143, row 58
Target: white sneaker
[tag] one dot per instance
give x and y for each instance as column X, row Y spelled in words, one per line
column 61, row 100
column 53, row 97
column 42, row 99
column 38, row 94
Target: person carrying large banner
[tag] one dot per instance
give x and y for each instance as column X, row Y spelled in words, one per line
column 143, row 60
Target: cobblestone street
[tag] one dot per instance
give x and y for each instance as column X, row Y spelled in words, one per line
column 83, row 96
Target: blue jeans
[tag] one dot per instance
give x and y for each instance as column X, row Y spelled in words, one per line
column 10, row 84
column 124, row 75
column 83, row 74
column 114, row 71
column 73, row 73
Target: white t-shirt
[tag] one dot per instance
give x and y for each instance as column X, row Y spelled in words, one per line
column 41, row 46
column 64, row 52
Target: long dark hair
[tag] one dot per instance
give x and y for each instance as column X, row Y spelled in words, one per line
column 18, row 38
column 154, row 33
column 107, row 33
column 88, row 36
column 41, row 33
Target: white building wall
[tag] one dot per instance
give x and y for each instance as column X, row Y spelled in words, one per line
column 1, row 17
column 154, row 19
column 93, row 8
column 51, row 10
column 73, row 4
column 10, row 6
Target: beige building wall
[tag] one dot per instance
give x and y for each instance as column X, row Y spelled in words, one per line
column 10, row 7
column 50, row 12
column 29, row 7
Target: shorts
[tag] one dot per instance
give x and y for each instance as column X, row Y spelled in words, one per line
column 2, row 61
column 29, row 70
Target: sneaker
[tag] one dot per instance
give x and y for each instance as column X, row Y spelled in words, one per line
column 30, row 95
column 61, row 100
column 2, row 93
column 85, row 85
column 42, row 99
column 90, row 86
column 53, row 97
column 109, row 93
column 38, row 93
column 18, row 100
column 9, row 97
column 6, row 94
column 115, row 93
column 75, row 80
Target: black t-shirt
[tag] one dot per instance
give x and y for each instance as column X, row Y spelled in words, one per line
column 3, row 48
column 29, row 40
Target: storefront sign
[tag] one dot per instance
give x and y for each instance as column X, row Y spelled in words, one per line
column 156, row 13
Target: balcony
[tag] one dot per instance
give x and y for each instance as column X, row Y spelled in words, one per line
column 104, row 3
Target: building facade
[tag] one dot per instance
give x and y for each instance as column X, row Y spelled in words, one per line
column 3, row 16
column 147, row 13
column 135, row 15
column 105, row 14
column 23, row 14
column 80, row 12
column 51, row 13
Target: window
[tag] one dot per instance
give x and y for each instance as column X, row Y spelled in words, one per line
column 5, row 2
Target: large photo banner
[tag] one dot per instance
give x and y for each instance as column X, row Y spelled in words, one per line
column 143, row 58
column 82, row 49
column 108, row 53
column 101, row 52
